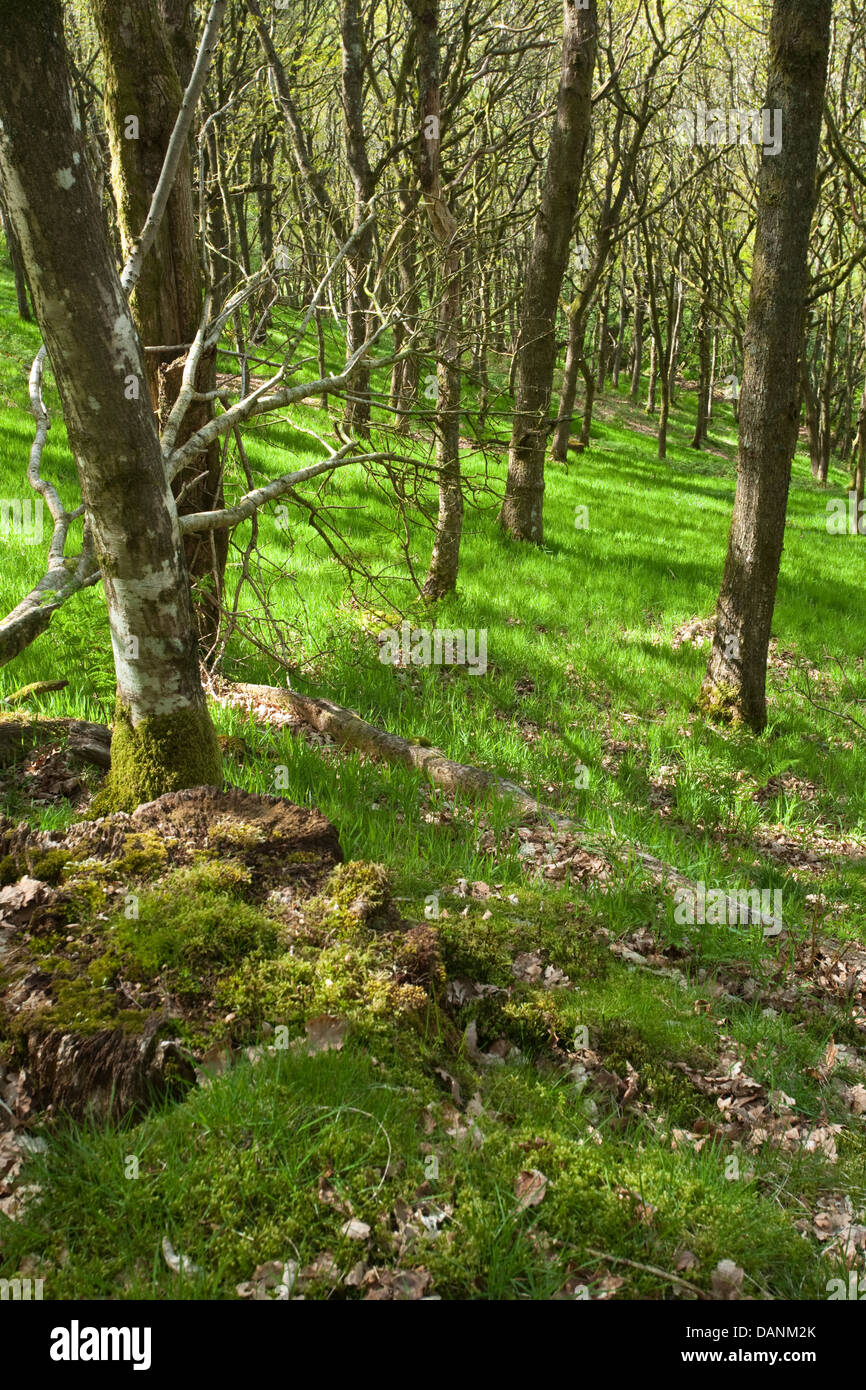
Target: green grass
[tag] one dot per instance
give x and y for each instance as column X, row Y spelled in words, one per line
column 582, row 670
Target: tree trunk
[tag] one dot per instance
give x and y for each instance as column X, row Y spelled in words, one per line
column 619, row 351
column 703, row 336
column 142, row 82
column 860, row 445
column 603, row 338
column 653, row 377
column 521, row 514
column 568, row 390
column 735, row 683
column 357, row 414
column 163, row 737
column 637, row 344
column 14, row 252
column 404, row 378
column 444, row 561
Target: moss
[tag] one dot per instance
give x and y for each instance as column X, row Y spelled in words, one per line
column 356, row 895
column 49, row 865
column 84, row 890
column 79, row 1006
column 235, row 832
column 665, row 1086
column 164, row 754
column 719, row 702
column 485, row 950
column 289, row 989
column 9, row 872
column 144, row 853
column 192, row 925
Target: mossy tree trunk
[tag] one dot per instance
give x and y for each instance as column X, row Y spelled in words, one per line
column 164, row 739
column 769, row 403
column 148, row 50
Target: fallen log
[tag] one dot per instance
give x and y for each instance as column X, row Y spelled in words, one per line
column 90, row 742
column 349, row 730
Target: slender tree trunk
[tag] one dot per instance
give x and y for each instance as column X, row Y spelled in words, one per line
column 736, row 677
column 653, row 377
column 619, row 351
column 637, row 344
column 703, row 336
column 14, row 252
column 444, row 561
column 521, row 514
column 357, row 416
column 860, row 445
column 568, row 389
column 163, row 736
column 603, row 338
column 404, row 379
column 712, row 384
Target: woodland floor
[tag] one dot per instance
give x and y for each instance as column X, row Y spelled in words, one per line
column 433, row 1120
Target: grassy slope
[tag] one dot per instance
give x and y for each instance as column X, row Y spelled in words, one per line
column 581, row 664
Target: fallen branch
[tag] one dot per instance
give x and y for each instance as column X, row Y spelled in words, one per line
column 351, row 731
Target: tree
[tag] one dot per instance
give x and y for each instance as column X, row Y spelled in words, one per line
column 769, row 402
column 148, row 60
column 442, row 574
column 163, row 735
column 521, row 514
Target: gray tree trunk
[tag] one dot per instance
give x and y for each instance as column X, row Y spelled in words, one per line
column 521, row 513
column 735, row 683
column 163, row 736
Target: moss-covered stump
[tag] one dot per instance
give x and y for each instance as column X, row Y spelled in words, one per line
column 110, row 1073
column 278, row 842
column 118, row 940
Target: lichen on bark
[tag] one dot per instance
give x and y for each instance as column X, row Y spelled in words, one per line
column 166, row 753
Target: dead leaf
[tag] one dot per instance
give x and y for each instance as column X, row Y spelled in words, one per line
column 178, row 1264
column 727, row 1280
column 325, row 1033
column 530, row 1187
column 355, row 1230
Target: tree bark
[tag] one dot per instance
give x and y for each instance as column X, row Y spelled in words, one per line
column 357, row 414
column 143, row 81
column 444, row 560
column 735, row 683
column 522, row 508
column 163, row 736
